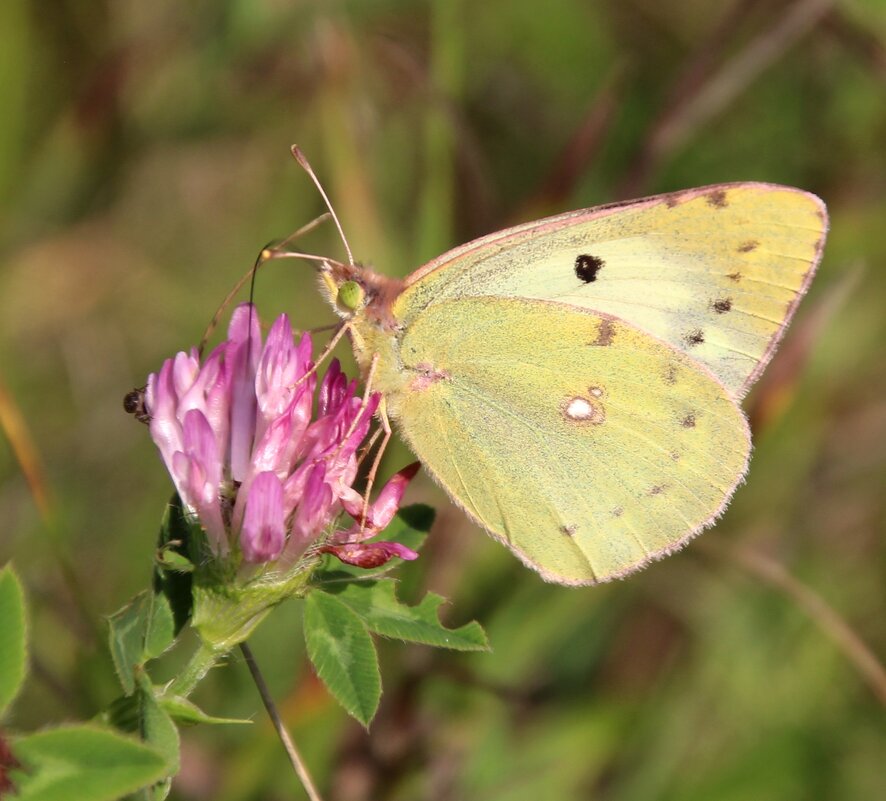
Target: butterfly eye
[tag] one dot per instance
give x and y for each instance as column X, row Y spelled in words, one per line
column 350, row 295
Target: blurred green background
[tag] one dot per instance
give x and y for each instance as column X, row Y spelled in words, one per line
column 143, row 163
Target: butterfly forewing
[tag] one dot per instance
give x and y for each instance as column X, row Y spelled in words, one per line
column 716, row 272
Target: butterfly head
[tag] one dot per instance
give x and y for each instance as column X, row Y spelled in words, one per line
column 344, row 287
column 356, row 291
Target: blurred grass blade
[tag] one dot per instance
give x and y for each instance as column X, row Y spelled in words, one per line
column 13, row 637
column 436, row 218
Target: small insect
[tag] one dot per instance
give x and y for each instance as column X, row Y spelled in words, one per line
column 484, row 357
column 134, row 404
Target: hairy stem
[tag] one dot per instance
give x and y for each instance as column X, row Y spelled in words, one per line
column 203, row 660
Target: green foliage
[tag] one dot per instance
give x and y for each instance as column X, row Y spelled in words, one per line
column 343, row 654
column 177, row 541
column 186, row 712
column 141, row 630
column 83, row 763
column 376, row 604
column 13, row 644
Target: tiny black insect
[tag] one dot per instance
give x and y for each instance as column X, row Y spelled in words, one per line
column 134, row 404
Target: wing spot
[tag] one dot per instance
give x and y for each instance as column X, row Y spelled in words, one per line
column 694, row 337
column 747, row 247
column 581, row 410
column 675, row 456
column 658, row 489
column 717, row 199
column 618, row 511
column 596, row 392
column 587, row 267
column 670, row 376
column 569, row 530
column 722, row 306
column 734, row 277
column 605, row 333
column 688, row 421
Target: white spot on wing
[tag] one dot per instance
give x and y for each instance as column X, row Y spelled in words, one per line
column 583, row 410
column 579, row 409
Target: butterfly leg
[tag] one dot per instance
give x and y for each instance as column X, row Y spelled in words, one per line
column 324, row 355
column 367, row 394
column 376, row 462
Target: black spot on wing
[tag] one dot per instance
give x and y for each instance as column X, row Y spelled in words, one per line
column 694, row 337
column 747, row 247
column 688, row 421
column 587, row 267
column 722, row 305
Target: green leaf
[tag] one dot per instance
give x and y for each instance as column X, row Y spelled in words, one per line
column 177, row 543
column 377, row 605
column 12, row 637
column 159, row 627
column 126, row 640
column 141, row 630
column 409, row 527
column 187, row 712
column 83, row 763
column 156, row 728
column 343, row 655
column 169, row 559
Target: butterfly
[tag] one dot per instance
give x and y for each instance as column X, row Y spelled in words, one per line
column 574, row 383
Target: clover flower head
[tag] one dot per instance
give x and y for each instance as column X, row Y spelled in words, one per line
column 264, row 468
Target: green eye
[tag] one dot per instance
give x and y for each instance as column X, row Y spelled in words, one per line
column 350, row 295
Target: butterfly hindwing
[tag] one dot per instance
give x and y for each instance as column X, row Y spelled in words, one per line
column 585, row 445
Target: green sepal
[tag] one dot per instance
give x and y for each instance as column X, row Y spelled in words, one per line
column 343, row 655
column 227, row 611
column 377, row 605
column 187, row 713
column 170, row 559
column 13, row 637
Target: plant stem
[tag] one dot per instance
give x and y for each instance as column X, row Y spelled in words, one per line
column 203, row 660
column 291, row 751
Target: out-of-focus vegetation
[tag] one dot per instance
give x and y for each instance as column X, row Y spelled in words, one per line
column 143, row 163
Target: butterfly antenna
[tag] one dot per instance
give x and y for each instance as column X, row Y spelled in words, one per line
column 266, row 254
column 305, row 165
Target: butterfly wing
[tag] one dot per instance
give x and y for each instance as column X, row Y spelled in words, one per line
column 716, row 272
column 585, row 445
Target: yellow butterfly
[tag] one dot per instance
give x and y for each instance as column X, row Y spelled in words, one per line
column 574, row 383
